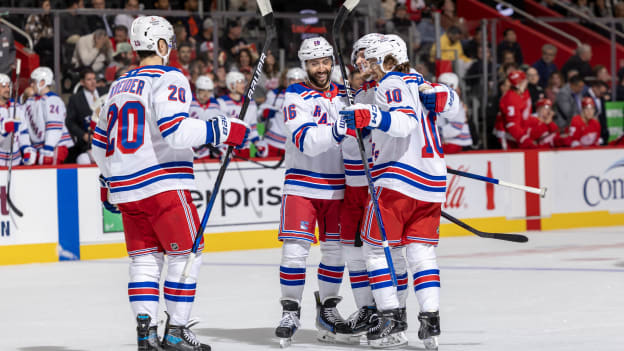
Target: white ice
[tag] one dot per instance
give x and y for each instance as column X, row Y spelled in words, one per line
column 564, row 290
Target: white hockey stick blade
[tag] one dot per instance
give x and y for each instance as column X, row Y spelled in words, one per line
column 265, row 7
column 529, row 189
column 351, row 4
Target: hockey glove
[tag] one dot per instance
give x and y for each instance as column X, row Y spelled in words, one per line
column 268, row 113
column 340, row 129
column 10, row 126
column 433, row 96
column 262, row 148
column 366, row 116
column 223, row 130
column 29, row 156
column 61, row 154
column 46, row 156
column 104, row 196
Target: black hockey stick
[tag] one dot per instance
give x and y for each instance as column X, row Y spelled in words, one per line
column 342, row 15
column 517, row 238
column 267, row 14
column 12, row 206
column 275, row 166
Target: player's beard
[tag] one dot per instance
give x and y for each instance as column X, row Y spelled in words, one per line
column 315, row 80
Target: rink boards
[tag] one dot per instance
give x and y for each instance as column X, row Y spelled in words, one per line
column 63, row 218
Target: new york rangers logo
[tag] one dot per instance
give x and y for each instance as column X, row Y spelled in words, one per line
column 304, row 225
column 317, row 42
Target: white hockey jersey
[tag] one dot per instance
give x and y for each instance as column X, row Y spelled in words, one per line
column 143, row 139
column 275, row 132
column 314, row 166
column 21, row 139
column 408, row 157
column 354, row 169
column 454, row 128
column 45, row 117
column 205, row 111
column 232, row 109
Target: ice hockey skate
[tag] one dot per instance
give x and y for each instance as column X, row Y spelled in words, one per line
column 331, row 326
column 147, row 337
column 291, row 311
column 429, row 329
column 181, row 338
column 360, row 322
column 389, row 331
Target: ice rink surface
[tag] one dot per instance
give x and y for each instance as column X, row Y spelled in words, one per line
column 564, row 290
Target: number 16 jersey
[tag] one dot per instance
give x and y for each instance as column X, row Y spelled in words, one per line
column 143, row 139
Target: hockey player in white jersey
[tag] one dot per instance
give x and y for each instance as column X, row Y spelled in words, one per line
column 12, row 130
column 232, row 103
column 142, row 145
column 453, row 128
column 45, row 117
column 204, row 107
column 410, row 182
column 313, row 191
column 271, row 113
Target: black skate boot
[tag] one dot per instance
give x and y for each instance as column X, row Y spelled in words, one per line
column 331, row 326
column 291, row 312
column 403, row 314
column 429, row 329
column 181, row 338
column 389, row 331
column 147, row 337
column 360, row 322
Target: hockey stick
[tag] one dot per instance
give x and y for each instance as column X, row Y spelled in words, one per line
column 342, row 15
column 275, row 166
column 539, row 191
column 12, row 206
column 517, row 238
column 267, row 14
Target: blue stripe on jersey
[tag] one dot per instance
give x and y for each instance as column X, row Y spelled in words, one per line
column 98, row 144
column 314, row 174
column 411, row 169
column 150, row 169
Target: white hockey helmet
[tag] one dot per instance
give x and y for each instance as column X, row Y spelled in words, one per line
column 383, row 48
column 402, row 54
column 42, row 74
column 145, row 33
column 204, row 83
column 363, row 43
column 296, row 73
column 449, row 79
column 4, row 79
column 313, row 48
column 231, row 79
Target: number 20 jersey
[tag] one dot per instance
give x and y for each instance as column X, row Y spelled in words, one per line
column 408, row 158
column 143, row 139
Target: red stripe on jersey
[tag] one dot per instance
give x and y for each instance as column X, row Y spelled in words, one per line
column 151, row 175
column 315, row 180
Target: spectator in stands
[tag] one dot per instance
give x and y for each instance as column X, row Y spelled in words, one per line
column 181, row 36
column 505, row 69
column 243, row 62
column 387, row 9
column 193, row 22
column 584, row 128
column 597, row 92
column 120, row 36
column 233, row 43
column 271, row 76
column 600, row 8
column 583, row 6
column 41, row 29
column 450, row 46
column 219, row 82
column 508, row 57
column 555, row 83
column 100, row 21
column 545, row 66
column 568, row 101
column 474, row 75
column 183, row 61
column 122, row 58
column 510, row 43
column 79, row 110
column 7, row 50
column 400, row 22
column 205, row 42
column 579, row 62
column 472, row 45
column 448, row 18
column 535, row 90
column 93, row 50
column 74, row 25
column 602, row 74
column 125, row 19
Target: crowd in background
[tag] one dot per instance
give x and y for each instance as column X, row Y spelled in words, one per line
column 96, row 50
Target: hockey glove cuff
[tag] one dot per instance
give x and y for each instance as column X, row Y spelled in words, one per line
column 46, row 155
column 10, row 126
column 29, row 156
column 340, row 129
column 434, row 96
column 268, row 113
column 223, row 130
column 262, row 148
column 104, row 196
column 366, row 116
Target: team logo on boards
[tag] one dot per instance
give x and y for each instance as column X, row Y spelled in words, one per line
column 597, row 189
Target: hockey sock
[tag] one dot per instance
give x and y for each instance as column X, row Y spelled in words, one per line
column 179, row 295
column 293, row 268
column 143, row 288
column 330, row 269
column 379, row 277
column 423, row 262
column 400, row 268
column 354, row 257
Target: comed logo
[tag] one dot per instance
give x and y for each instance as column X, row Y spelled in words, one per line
column 597, row 189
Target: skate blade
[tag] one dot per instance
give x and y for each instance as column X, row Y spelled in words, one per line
column 326, row 336
column 394, row 340
column 350, row 339
column 431, row 343
column 285, row 342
